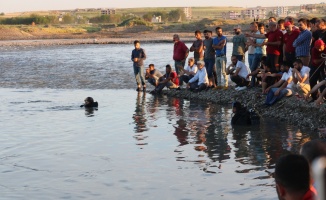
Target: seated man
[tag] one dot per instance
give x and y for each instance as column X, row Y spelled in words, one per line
column 320, row 99
column 281, row 88
column 169, row 79
column 188, row 72
column 292, row 178
column 238, row 72
column 300, row 76
column 200, row 81
column 153, row 75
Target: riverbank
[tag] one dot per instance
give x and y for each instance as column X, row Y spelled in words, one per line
column 292, row 109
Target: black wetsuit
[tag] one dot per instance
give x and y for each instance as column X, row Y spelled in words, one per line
column 90, row 105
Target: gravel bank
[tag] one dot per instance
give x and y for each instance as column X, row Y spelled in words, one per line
column 290, row 109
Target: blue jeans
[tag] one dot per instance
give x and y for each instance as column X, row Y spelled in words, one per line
column 250, row 59
column 209, row 64
column 139, row 75
column 271, row 98
column 255, row 64
column 178, row 63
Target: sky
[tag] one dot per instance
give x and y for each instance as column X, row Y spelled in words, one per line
column 9, row 6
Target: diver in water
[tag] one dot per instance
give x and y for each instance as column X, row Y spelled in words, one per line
column 242, row 116
column 89, row 103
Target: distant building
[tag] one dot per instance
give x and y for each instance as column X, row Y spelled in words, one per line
column 254, row 13
column 231, row 15
column 308, row 8
column 188, row 12
column 107, row 11
column 282, row 11
column 157, row 19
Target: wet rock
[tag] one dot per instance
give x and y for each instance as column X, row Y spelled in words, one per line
column 290, row 109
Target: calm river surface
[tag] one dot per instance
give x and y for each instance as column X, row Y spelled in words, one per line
column 135, row 146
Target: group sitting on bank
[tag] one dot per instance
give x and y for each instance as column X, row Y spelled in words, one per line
column 285, row 61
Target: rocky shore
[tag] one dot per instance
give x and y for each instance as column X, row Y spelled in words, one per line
column 292, row 109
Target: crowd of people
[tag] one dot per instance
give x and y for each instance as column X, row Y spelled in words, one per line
column 284, row 60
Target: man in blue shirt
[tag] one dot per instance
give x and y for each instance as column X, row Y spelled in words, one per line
column 303, row 42
column 219, row 44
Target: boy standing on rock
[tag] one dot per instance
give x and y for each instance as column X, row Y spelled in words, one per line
column 138, row 56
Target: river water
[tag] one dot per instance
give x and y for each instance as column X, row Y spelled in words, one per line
column 135, row 145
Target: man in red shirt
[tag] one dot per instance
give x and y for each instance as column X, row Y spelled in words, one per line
column 288, row 39
column 169, row 79
column 317, row 66
column 274, row 44
column 292, row 178
column 180, row 53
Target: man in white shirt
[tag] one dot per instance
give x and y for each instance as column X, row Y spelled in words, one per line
column 200, row 81
column 187, row 72
column 281, row 88
column 238, row 72
column 300, row 76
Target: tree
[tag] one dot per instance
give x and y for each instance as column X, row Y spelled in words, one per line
column 176, row 15
column 68, row 19
column 148, row 16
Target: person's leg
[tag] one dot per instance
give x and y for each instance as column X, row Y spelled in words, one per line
column 218, row 70
column 176, row 64
column 237, row 80
column 152, row 81
column 202, row 86
column 251, row 59
column 142, row 76
column 313, row 78
column 282, row 93
column 270, row 96
column 254, row 66
column 223, row 68
column 209, row 69
column 137, row 76
column 194, row 85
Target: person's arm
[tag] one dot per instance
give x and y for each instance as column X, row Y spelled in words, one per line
column 284, row 85
column 236, row 72
column 277, row 84
column 193, row 79
column 192, row 48
column 220, row 45
column 315, row 88
column 200, row 48
column 260, row 36
column 186, row 53
column 284, row 57
column 301, row 38
column 320, row 98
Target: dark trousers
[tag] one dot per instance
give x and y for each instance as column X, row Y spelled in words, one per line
column 316, row 74
column 290, row 58
column 239, row 81
column 272, row 61
column 195, row 86
column 184, row 78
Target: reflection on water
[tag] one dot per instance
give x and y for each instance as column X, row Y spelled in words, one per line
column 134, row 146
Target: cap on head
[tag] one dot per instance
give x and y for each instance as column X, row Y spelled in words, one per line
column 319, row 43
column 287, row 24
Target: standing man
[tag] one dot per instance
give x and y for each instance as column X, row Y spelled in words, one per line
column 219, row 44
column 138, row 56
column 239, row 44
column 180, row 52
column 274, row 44
column 288, row 39
column 209, row 57
column 250, row 44
column 302, row 43
column 198, row 47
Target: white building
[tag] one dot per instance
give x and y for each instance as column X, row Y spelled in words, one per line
column 157, row 19
column 255, row 13
column 231, row 15
column 107, row 11
column 188, row 12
